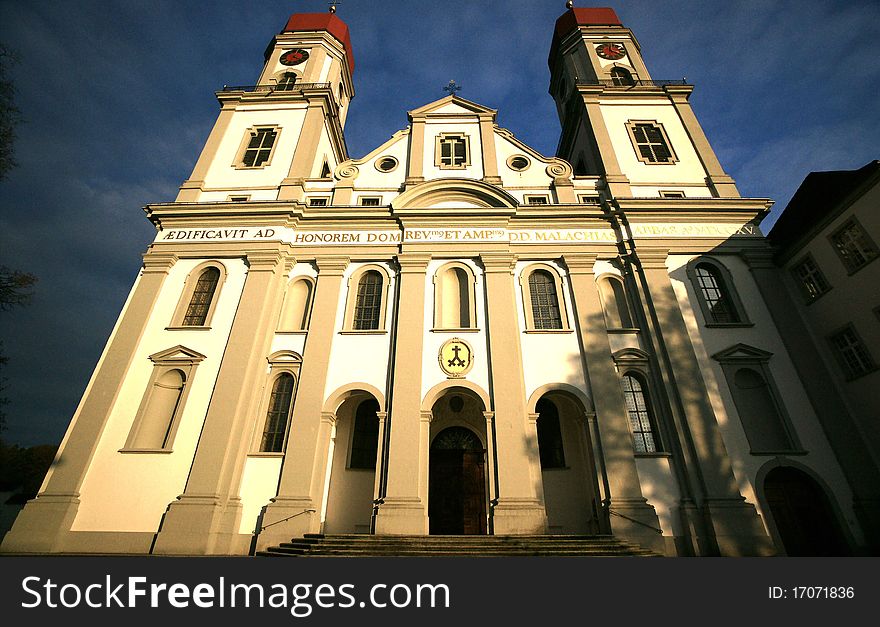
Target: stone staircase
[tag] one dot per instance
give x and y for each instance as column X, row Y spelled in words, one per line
column 360, row 545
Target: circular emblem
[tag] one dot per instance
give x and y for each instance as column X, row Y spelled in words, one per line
column 456, row 358
column 611, row 51
column 294, row 57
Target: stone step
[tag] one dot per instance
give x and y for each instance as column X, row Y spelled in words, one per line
column 355, row 545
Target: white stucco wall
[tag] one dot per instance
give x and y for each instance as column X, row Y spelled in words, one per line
column 130, row 491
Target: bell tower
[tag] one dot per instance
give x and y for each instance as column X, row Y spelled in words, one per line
column 639, row 133
column 272, row 138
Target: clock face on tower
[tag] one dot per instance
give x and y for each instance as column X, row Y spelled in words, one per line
column 294, row 57
column 610, row 51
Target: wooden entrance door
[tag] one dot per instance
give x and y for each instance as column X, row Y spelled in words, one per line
column 457, row 488
column 803, row 515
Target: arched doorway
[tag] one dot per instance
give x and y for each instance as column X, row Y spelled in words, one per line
column 353, row 456
column 805, row 521
column 457, row 483
column 568, row 471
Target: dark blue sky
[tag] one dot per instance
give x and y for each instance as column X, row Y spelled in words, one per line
column 118, row 98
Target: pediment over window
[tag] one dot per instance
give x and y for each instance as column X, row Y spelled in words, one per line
column 285, row 357
column 177, row 354
column 742, row 352
column 454, row 192
column 630, row 356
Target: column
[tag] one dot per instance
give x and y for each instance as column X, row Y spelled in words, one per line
column 45, row 520
column 733, row 524
column 204, row 519
column 615, row 179
column 292, row 187
column 716, row 176
column 303, row 473
column 492, row 467
column 519, row 509
column 415, row 174
column 632, row 517
column 404, row 510
column 192, row 187
column 490, row 159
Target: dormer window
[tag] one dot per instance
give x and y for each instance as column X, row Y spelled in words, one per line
column 452, row 151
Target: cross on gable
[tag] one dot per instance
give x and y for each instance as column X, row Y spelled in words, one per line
column 452, row 87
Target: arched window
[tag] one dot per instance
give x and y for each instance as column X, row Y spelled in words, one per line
column 202, row 298
column 286, row 82
column 641, row 419
column 760, row 417
column 367, row 299
column 549, row 435
column 546, row 313
column 368, row 302
column 156, row 421
column 617, row 314
column 278, row 415
column 454, row 297
column 297, row 306
column 158, row 416
column 715, row 292
column 621, row 77
column 365, row 436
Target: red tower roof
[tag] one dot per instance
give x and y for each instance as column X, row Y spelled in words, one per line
column 571, row 19
column 326, row 22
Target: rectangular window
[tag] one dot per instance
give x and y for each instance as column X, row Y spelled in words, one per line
column 810, row 278
column 537, row 200
column 317, row 202
column 259, row 147
column 852, row 353
column 239, row 198
column 853, row 245
column 452, row 151
column 671, row 194
column 650, row 142
column 370, row 201
column 589, row 200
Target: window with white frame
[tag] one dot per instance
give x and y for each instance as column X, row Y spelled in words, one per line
column 452, row 151
column 366, row 302
column 278, row 414
column 851, row 353
column 650, row 142
column 258, row 146
column 810, row 279
column 198, row 300
column 716, row 293
column 853, row 245
column 544, row 301
column 537, row 199
column 641, row 417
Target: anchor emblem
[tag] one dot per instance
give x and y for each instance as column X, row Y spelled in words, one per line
column 456, row 357
column 456, row 361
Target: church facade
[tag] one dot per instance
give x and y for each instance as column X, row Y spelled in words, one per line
column 452, row 334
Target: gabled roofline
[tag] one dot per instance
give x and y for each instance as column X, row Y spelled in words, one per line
column 452, row 99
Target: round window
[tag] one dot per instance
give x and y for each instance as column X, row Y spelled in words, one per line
column 386, row 164
column 518, row 163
